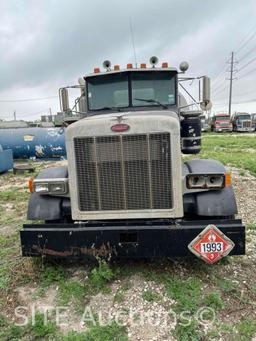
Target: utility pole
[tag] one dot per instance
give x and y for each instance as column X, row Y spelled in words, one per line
column 14, row 115
column 231, row 83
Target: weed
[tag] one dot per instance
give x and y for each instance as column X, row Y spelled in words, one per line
column 251, row 226
column 227, row 286
column 246, row 329
column 9, row 331
column 51, row 275
column 101, row 275
column 40, row 329
column 126, row 286
column 213, row 300
column 111, row 332
column 187, row 294
column 150, row 296
column 71, row 291
column 119, row 297
column 188, row 332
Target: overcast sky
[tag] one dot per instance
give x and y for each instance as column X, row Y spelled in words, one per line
column 48, row 44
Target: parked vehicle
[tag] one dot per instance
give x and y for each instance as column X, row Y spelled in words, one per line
column 220, row 123
column 204, row 125
column 126, row 191
column 242, row 122
column 253, row 116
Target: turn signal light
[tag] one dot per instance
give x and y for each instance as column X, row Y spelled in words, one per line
column 228, row 179
column 30, row 185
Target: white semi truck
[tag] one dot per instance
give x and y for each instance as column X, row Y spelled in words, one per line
column 126, row 191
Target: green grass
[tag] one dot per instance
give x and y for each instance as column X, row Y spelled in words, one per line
column 246, row 329
column 119, row 297
column 150, row 296
column 72, row 291
column 111, row 332
column 229, row 148
column 102, row 275
column 32, row 331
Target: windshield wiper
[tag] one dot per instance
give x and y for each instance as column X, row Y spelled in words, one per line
column 152, row 101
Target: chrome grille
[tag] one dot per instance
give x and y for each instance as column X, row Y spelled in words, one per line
column 124, row 172
column 246, row 124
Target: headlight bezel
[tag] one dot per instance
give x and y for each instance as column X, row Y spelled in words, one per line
column 49, row 184
column 204, row 181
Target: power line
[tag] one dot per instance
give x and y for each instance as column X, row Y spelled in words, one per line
column 223, row 70
column 221, row 88
column 26, row 99
column 247, row 54
column 248, row 73
column 250, row 35
column 247, row 64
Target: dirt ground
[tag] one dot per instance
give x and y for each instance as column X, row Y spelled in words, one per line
column 142, row 296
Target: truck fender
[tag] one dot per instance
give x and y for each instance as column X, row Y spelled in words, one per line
column 213, row 202
column 46, row 207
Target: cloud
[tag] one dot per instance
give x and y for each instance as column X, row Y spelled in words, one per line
column 44, row 45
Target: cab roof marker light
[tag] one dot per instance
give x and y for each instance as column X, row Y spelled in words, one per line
column 164, row 65
column 129, row 66
column 96, row 70
column 143, row 65
column 116, row 67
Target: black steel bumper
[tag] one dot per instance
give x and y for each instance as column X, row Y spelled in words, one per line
column 136, row 239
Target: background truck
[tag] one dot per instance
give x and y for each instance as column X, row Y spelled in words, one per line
column 126, row 191
column 242, row 122
column 221, row 122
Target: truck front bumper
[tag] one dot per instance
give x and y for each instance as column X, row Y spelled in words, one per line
column 141, row 239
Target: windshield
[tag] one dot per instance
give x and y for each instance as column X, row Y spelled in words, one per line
column 150, row 88
column 134, row 89
column 108, row 91
column 222, row 118
column 244, row 117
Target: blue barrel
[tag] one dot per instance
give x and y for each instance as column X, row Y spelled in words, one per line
column 40, row 143
column 6, row 160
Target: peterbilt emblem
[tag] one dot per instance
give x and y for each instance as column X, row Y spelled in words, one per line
column 120, row 127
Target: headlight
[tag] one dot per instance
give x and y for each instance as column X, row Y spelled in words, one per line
column 41, row 187
column 206, row 181
column 49, row 186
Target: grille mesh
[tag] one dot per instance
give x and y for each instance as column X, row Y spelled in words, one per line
column 246, row 124
column 129, row 172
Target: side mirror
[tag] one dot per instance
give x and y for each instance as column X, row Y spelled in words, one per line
column 205, row 93
column 64, row 100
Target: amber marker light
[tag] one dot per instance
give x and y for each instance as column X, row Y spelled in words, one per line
column 30, row 185
column 129, row 66
column 96, row 70
column 164, row 65
column 228, row 179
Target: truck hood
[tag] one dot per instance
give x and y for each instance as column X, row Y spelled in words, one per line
column 137, row 121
